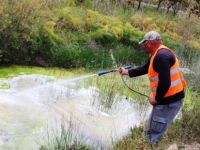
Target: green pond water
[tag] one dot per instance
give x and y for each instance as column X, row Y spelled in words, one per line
column 35, row 103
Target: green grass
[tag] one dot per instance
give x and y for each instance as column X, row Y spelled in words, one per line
column 13, row 71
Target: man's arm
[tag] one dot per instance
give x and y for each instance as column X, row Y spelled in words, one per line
column 139, row 71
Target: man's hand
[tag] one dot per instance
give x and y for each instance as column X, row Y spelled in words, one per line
column 122, row 71
column 152, row 100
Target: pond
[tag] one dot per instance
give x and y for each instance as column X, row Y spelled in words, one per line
column 34, row 109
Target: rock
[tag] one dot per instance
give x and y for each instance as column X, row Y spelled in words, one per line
column 173, row 147
column 193, row 146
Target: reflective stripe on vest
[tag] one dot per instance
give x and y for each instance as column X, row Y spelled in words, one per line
column 172, row 72
column 178, row 82
column 174, row 83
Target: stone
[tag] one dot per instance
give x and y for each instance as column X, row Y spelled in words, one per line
column 173, row 147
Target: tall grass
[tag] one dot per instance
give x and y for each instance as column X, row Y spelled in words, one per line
column 65, row 140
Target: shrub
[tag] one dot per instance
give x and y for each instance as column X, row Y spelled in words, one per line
column 32, row 29
column 143, row 23
column 195, row 45
column 71, row 18
column 129, row 55
column 49, row 31
column 104, row 28
column 18, row 26
column 77, row 55
column 136, row 36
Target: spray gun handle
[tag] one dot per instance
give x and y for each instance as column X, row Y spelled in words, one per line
column 127, row 67
column 114, row 70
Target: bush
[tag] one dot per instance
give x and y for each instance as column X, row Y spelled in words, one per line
column 104, row 28
column 129, row 55
column 18, row 26
column 143, row 23
column 77, row 55
column 37, row 29
column 71, row 18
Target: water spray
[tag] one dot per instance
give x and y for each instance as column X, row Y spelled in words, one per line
column 103, row 72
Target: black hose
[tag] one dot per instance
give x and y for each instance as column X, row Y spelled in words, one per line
column 132, row 89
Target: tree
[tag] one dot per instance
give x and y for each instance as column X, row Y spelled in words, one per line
column 159, row 3
column 104, row 3
column 139, row 4
column 128, row 4
column 195, row 8
column 175, row 5
column 187, row 5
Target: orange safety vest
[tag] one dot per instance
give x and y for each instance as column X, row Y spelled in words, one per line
column 178, row 82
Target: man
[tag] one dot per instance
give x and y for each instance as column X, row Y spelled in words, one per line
column 166, row 83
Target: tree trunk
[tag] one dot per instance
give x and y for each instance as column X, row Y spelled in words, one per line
column 96, row 4
column 159, row 3
column 168, row 7
column 174, row 12
column 190, row 12
column 176, row 8
column 106, row 8
column 139, row 5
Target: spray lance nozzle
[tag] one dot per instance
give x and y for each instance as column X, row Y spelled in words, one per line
column 100, row 73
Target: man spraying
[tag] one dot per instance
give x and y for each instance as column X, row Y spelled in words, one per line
column 166, row 83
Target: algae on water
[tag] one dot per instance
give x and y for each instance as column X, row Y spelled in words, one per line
column 4, row 85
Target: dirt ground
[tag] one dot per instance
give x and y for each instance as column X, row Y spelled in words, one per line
column 193, row 146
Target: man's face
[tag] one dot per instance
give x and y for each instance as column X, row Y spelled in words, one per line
column 146, row 46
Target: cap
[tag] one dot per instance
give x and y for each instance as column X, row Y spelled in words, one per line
column 152, row 35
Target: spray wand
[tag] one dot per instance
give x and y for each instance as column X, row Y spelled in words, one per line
column 103, row 72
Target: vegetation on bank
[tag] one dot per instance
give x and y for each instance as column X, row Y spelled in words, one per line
column 72, row 34
column 13, row 71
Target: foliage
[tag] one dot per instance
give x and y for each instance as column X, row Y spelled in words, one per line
column 13, row 71
column 187, row 127
column 75, row 55
column 51, row 33
column 137, row 140
column 4, row 85
column 64, row 141
column 70, row 18
column 104, row 28
column 129, row 54
column 17, row 28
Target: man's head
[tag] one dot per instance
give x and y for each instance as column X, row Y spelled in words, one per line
column 151, row 41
